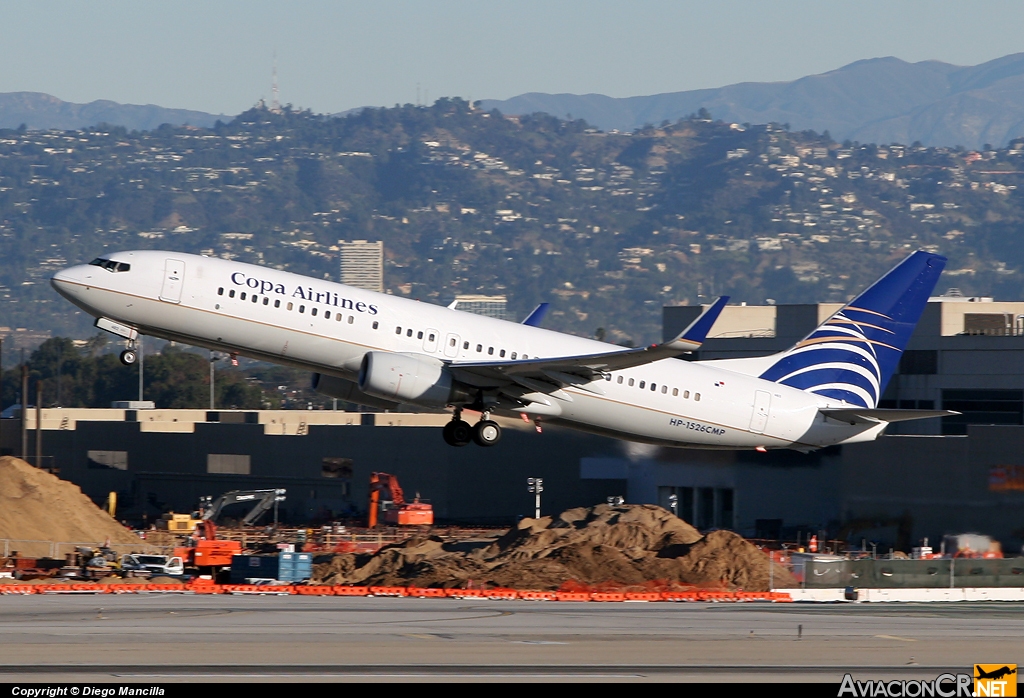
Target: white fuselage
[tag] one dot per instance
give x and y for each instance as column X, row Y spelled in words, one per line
column 268, row 314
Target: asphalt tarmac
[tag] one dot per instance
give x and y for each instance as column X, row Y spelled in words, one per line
column 149, row 638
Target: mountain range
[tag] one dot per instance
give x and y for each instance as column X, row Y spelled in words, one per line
column 38, row 111
column 880, row 100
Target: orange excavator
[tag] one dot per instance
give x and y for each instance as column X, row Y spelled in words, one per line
column 396, row 509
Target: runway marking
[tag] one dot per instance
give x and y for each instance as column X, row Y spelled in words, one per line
column 896, row 637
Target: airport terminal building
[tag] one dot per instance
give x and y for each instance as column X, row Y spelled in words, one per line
column 923, row 479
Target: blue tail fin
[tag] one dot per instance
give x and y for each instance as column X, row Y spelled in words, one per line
column 852, row 355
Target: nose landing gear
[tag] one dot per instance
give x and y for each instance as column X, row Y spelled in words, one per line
column 128, row 357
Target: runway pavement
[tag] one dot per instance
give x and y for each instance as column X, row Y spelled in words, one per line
column 170, row 638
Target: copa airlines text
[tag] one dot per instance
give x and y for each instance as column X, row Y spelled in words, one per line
column 383, row 351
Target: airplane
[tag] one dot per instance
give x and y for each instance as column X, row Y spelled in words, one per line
column 381, row 351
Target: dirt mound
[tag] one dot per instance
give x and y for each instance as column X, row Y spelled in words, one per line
column 623, row 546
column 37, row 506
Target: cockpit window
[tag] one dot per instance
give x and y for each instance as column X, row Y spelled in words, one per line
column 110, row 265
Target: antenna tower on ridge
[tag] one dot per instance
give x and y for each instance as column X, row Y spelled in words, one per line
column 275, row 104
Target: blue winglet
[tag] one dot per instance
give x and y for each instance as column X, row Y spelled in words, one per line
column 699, row 328
column 536, row 316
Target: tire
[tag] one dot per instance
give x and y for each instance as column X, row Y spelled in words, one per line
column 128, row 357
column 486, row 433
column 457, row 433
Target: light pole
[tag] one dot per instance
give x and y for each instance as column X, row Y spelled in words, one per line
column 142, row 361
column 213, row 359
column 535, row 485
column 673, row 503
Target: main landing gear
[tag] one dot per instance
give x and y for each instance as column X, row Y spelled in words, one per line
column 459, row 433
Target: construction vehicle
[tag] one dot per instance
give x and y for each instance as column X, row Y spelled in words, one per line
column 396, row 509
column 203, row 551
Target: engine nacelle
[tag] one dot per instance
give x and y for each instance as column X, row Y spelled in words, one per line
column 406, row 378
column 346, row 390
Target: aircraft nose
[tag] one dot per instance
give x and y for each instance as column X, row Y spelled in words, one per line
column 65, row 279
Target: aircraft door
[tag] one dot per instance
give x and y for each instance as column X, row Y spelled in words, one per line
column 762, row 407
column 430, row 340
column 174, row 278
column 451, row 346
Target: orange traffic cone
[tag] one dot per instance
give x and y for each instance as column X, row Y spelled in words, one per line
column 813, row 545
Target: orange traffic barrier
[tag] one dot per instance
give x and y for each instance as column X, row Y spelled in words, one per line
column 505, row 594
column 572, row 596
column 206, row 589
column 340, row 590
column 425, row 593
column 314, row 590
column 537, row 595
column 388, row 591
column 781, row 597
column 643, row 596
column 680, row 595
column 464, row 593
column 607, row 596
column 17, row 589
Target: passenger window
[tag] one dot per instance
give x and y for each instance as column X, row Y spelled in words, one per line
column 338, row 317
column 266, row 301
column 501, row 353
column 451, row 342
column 431, row 337
column 490, row 351
column 664, row 389
column 312, row 311
column 696, row 396
column 352, row 319
column 686, row 394
column 375, row 323
column 398, row 330
column 513, row 356
column 465, row 345
column 231, row 293
column 408, row 333
column 419, row 335
column 255, row 298
column 642, row 383
column 242, row 295
column 277, row 303
column 220, row 291
column 479, row 347
column 654, row 387
column 302, row 308
column 290, row 305
column 525, row 356
column 630, row 382
column 619, row 380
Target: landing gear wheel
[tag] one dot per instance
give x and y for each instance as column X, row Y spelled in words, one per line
column 457, row 433
column 486, row 433
column 128, row 357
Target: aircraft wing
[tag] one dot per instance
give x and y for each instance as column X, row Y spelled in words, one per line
column 548, row 374
column 864, row 415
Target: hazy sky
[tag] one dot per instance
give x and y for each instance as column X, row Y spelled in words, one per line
column 216, row 56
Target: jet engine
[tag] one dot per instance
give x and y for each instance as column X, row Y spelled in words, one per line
column 409, row 378
column 346, row 390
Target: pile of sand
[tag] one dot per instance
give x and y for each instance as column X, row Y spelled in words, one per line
column 38, row 506
column 607, row 546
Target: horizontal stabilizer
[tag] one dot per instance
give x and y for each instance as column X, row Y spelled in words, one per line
column 862, row 415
